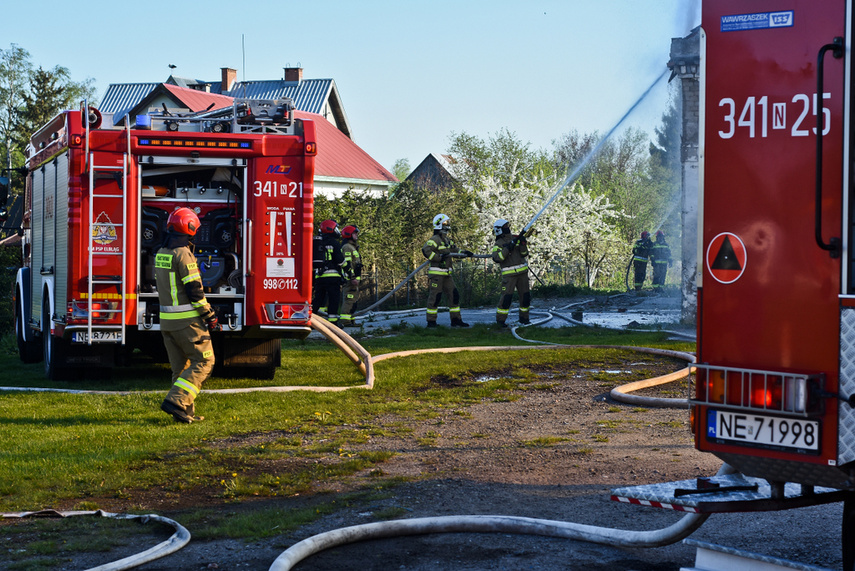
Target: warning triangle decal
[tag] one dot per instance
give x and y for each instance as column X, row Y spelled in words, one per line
column 726, row 257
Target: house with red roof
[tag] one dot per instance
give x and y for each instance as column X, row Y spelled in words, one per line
column 341, row 165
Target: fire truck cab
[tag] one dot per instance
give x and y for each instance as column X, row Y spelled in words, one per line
column 97, row 201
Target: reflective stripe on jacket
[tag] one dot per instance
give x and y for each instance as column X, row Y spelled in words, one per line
column 436, row 250
column 512, row 260
column 179, row 288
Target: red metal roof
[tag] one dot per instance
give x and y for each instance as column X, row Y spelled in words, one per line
column 338, row 156
column 196, row 100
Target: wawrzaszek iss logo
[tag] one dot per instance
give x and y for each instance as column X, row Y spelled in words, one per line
column 757, row 21
column 780, row 19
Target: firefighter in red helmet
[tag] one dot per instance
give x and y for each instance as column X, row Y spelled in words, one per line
column 352, row 274
column 328, row 271
column 660, row 256
column 640, row 255
column 186, row 317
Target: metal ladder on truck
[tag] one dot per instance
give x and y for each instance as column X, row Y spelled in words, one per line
column 99, row 172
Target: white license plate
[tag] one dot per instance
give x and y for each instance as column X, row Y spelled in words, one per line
column 764, row 431
column 97, row 336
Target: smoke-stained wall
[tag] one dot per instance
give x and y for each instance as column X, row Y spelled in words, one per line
column 685, row 65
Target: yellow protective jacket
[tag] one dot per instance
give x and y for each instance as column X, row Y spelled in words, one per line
column 352, row 260
column 511, row 258
column 437, row 251
column 179, row 288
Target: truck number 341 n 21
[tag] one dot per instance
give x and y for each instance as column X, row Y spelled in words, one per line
column 274, row 189
column 757, row 115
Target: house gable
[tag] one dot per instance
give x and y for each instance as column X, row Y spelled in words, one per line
column 433, row 173
column 319, row 96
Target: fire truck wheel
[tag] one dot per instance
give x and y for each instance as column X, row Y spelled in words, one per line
column 28, row 351
column 54, row 350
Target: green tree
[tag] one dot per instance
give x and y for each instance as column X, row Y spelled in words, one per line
column 621, row 171
column 394, row 227
column 666, row 166
column 28, row 99
column 401, row 169
column 49, row 93
column 15, row 69
column 501, row 156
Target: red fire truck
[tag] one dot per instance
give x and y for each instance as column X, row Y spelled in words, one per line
column 97, row 201
column 774, row 392
column 776, row 310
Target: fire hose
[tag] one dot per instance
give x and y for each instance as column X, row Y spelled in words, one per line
column 447, row 524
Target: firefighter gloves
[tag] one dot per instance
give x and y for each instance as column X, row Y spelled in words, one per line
column 213, row 324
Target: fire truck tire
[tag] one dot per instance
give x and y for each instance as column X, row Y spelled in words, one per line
column 28, row 351
column 848, row 532
column 55, row 350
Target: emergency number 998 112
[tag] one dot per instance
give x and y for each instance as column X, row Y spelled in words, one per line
column 280, row 283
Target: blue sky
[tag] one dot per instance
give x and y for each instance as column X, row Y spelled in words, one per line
column 410, row 73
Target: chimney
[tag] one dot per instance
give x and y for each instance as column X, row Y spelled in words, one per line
column 229, row 75
column 294, row 74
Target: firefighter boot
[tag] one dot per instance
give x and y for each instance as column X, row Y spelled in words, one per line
column 432, row 324
column 191, row 412
column 458, row 322
column 178, row 412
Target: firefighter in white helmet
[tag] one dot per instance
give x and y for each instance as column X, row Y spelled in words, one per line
column 510, row 252
column 438, row 250
column 186, row 317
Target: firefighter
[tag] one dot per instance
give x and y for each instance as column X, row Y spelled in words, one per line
column 438, row 250
column 510, row 253
column 352, row 275
column 660, row 256
column 328, row 275
column 186, row 317
column 640, row 254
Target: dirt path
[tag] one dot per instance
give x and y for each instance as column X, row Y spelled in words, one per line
column 554, row 453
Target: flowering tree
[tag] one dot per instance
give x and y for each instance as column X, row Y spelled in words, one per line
column 575, row 236
column 576, row 233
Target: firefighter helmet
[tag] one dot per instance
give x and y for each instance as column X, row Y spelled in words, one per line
column 501, row 226
column 441, row 222
column 645, row 235
column 329, row 227
column 183, row 221
column 349, row 232
column 660, row 233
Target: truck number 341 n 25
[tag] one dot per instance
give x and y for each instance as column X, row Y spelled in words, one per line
column 274, row 189
column 756, row 115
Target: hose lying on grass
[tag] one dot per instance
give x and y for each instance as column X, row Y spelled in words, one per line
column 478, row 523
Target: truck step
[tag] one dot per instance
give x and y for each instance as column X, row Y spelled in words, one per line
column 712, row 557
